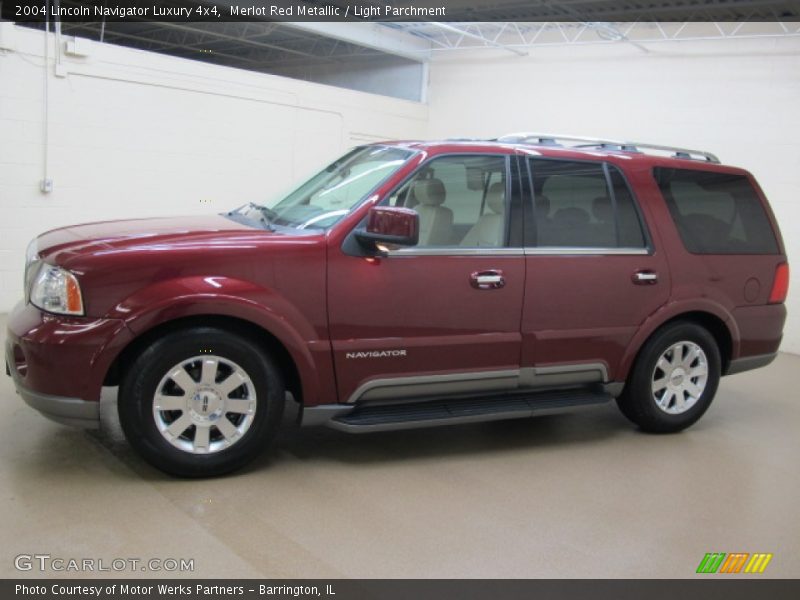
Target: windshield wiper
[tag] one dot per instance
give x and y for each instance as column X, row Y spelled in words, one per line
column 267, row 214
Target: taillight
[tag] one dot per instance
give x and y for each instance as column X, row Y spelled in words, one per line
column 780, row 287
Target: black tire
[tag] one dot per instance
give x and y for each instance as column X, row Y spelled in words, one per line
column 638, row 402
column 144, row 375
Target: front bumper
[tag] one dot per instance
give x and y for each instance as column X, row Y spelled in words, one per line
column 58, row 364
column 68, row 411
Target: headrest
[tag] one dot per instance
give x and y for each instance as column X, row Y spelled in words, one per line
column 496, row 197
column 542, row 205
column 429, row 192
column 601, row 209
column 571, row 217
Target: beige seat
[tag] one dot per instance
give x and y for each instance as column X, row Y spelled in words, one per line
column 435, row 221
column 489, row 230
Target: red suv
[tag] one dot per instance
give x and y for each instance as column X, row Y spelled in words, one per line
column 411, row 284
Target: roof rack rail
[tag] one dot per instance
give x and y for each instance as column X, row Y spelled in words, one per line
column 550, row 139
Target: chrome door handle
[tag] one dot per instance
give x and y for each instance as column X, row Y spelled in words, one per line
column 645, row 277
column 491, row 279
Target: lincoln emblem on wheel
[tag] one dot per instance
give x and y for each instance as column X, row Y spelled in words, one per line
column 411, row 284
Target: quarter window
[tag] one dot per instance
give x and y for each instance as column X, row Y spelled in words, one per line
column 461, row 201
column 583, row 205
column 716, row 213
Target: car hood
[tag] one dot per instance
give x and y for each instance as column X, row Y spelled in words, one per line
column 108, row 236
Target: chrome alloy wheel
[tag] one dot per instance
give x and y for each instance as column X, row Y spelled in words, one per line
column 204, row 404
column 680, row 377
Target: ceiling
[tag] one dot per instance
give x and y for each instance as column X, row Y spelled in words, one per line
column 248, row 45
column 615, row 10
column 515, row 26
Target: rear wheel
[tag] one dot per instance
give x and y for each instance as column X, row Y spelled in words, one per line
column 201, row 402
column 674, row 379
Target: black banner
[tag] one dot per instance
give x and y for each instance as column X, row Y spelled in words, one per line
column 399, row 589
column 177, row 11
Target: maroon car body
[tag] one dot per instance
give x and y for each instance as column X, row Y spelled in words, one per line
column 337, row 319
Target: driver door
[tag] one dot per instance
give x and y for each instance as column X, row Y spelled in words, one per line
column 442, row 317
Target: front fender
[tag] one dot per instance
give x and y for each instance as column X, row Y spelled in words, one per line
column 168, row 300
column 668, row 312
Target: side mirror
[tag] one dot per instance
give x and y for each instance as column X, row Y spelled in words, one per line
column 390, row 225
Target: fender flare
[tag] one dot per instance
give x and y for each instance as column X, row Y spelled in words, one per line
column 669, row 312
column 158, row 304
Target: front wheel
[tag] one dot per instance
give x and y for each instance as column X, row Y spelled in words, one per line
column 673, row 380
column 201, row 402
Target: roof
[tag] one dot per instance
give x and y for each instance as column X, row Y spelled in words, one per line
column 574, row 147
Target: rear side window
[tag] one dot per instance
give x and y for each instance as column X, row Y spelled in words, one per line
column 583, row 205
column 716, row 213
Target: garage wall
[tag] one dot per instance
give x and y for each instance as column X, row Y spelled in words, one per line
column 134, row 133
column 736, row 98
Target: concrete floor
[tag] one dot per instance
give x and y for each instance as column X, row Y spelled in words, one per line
column 580, row 495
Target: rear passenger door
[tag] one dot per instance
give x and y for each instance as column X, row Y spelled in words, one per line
column 592, row 273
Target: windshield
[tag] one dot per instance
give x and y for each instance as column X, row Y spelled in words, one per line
column 332, row 193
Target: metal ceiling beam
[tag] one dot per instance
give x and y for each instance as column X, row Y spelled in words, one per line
column 609, row 11
column 475, row 36
column 610, row 32
column 370, row 35
column 525, row 37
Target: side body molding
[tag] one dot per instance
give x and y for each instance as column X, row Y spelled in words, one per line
column 390, row 389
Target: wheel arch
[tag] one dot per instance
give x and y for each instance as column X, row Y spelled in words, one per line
column 257, row 310
column 723, row 330
column 711, row 323
column 264, row 338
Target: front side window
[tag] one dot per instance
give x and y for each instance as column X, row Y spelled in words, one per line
column 461, row 201
column 583, row 205
column 716, row 213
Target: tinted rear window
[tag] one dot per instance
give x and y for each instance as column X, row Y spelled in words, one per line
column 716, row 213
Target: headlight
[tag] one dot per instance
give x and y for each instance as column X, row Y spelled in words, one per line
column 32, row 251
column 31, row 266
column 56, row 290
